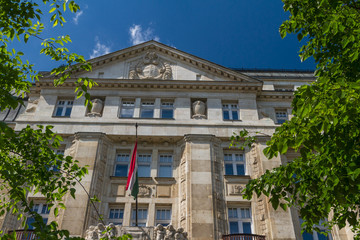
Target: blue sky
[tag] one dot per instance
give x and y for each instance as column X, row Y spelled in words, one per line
column 232, row 33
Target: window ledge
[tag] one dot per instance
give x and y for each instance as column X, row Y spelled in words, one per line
column 60, row 116
column 230, row 120
column 237, row 177
column 146, row 118
column 165, row 180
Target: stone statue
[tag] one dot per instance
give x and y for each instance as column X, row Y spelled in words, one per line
column 198, row 108
column 170, row 232
column 97, row 107
column 160, row 232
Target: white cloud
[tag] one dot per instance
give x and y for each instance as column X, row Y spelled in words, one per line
column 137, row 35
column 77, row 16
column 99, row 49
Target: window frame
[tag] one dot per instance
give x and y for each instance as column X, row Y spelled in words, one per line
column 167, row 105
column 122, row 163
column 230, row 108
column 146, row 105
column 314, row 234
column 116, row 221
column 66, row 102
column 281, row 119
column 234, row 162
column 160, row 164
column 239, row 219
column 44, row 215
column 144, row 163
column 142, row 222
column 126, row 104
column 164, row 222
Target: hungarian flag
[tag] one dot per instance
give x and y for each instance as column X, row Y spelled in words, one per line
column 132, row 181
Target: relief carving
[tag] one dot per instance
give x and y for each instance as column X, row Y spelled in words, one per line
column 151, row 67
column 144, row 191
column 199, row 110
column 235, row 189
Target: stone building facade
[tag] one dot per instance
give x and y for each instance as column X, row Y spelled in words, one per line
column 186, row 108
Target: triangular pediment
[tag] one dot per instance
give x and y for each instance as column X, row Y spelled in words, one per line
column 154, row 60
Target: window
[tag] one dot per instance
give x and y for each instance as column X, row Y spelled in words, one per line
column 55, row 168
column 239, row 220
column 165, row 165
column 142, row 217
column 127, row 109
column 147, row 109
column 116, row 215
column 121, row 165
column 167, row 110
column 281, row 116
column 234, row 164
column 163, row 216
column 230, row 111
column 43, row 210
column 144, row 161
column 316, row 235
column 63, row 108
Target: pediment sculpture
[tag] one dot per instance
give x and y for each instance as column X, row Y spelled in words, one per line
column 151, row 67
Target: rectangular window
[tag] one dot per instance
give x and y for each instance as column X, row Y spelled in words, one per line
column 167, row 110
column 142, row 217
column 144, row 161
column 121, row 165
column 116, row 215
column 163, row 216
column 127, row 109
column 281, row 116
column 165, row 165
column 43, row 210
column 56, row 168
column 230, row 111
column 234, row 164
column 63, row 108
column 316, row 235
column 147, row 109
column 239, row 220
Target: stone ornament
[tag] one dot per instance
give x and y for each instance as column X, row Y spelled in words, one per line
column 235, row 189
column 96, row 109
column 144, row 191
column 151, row 67
column 32, row 105
column 169, row 233
column 97, row 232
column 199, row 109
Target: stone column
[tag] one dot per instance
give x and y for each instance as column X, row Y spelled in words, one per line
column 198, row 196
column 89, row 149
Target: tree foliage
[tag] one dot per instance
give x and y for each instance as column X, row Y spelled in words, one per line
column 324, row 181
column 27, row 159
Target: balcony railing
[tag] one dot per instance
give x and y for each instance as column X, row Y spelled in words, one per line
column 24, row 234
column 243, row 236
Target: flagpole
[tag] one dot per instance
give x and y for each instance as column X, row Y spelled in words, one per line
column 136, row 199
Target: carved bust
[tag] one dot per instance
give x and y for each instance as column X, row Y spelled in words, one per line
column 151, row 67
column 199, row 109
column 96, row 109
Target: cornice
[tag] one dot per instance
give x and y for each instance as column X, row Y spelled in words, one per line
column 274, row 95
column 229, row 86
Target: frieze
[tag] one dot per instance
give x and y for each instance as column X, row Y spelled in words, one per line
column 235, row 189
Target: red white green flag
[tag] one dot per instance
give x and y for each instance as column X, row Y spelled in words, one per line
column 132, row 181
